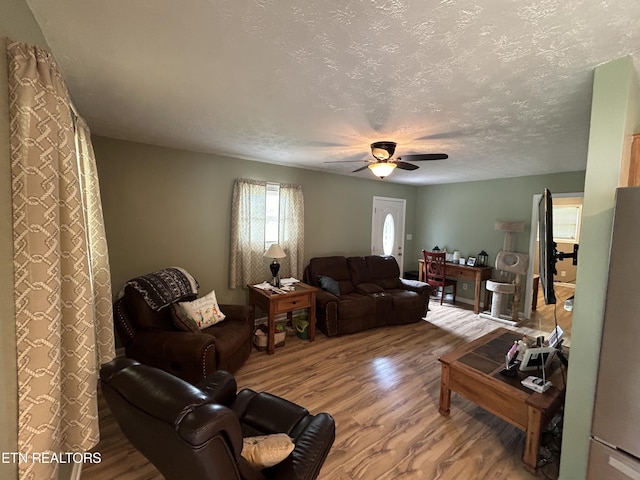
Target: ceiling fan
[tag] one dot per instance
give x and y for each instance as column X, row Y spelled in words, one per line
column 384, row 165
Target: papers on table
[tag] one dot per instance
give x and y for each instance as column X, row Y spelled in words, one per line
column 286, row 285
column 267, row 287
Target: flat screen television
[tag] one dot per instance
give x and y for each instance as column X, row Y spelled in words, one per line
column 547, row 247
column 549, row 254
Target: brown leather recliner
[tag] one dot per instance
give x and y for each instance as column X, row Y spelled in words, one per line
column 196, row 432
column 151, row 337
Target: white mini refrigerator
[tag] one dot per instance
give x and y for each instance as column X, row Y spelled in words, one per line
column 615, row 436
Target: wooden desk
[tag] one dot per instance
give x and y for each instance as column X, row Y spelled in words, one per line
column 465, row 272
column 473, row 371
column 304, row 296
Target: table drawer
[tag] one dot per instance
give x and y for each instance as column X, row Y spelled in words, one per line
column 292, row 303
column 459, row 272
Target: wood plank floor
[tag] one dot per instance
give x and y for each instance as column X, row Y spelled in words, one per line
column 382, row 387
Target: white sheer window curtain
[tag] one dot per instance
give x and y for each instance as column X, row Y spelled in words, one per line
column 248, row 220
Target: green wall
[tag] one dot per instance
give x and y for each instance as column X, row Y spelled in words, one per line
column 172, row 207
column 18, row 24
column 165, row 207
column 461, row 216
column 615, row 116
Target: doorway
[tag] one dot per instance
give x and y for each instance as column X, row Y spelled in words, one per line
column 387, row 228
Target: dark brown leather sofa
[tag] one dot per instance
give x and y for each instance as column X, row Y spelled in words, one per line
column 196, row 432
column 152, row 338
column 370, row 293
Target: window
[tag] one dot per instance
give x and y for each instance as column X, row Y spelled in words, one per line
column 566, row 223
column 262, row 214
column 388, row 235
column 272, row 214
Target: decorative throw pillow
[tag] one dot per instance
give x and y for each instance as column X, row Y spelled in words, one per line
column 181, row 321
column 329, row 284
column 203, row 311
column 266, row 450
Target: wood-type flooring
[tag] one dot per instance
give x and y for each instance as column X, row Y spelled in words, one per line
column 382, row 388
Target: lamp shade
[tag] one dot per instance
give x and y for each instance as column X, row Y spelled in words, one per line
column 275, row 251
column 382, row 169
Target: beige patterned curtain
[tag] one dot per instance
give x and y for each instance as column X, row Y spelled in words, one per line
column 63, row 329
column 248, row 218
column 97, row 243
column 248, row 213
column 291, row 229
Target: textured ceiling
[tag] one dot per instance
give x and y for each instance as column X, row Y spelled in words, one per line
column 502, row 86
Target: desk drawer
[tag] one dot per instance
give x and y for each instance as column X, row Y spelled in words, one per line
column 459, row 272
column 292, row 303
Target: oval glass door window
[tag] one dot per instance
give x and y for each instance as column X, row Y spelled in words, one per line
column 388, row 234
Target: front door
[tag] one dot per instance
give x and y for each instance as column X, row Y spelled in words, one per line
column 387, row 231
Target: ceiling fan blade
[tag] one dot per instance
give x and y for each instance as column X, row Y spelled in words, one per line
column 360, row 169
column 406, row 166
column 345, row 161
column 420, row 157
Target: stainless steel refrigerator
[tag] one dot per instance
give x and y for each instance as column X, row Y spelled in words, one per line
column 615, row 436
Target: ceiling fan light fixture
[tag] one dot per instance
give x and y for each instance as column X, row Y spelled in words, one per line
column 382, row 169
column 383, row 151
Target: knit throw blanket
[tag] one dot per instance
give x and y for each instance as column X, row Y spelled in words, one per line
column 164, row 287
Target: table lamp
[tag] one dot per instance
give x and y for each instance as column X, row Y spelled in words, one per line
column 275, row 252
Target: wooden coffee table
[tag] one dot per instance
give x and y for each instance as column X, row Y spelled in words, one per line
column 473, row 371
column 303, row 296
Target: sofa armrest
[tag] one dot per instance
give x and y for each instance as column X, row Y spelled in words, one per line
column 221, row 387
column 313, row 438
column 264, row 414
column 202, row 423
column 190, row 356
column 237, row 312
column 323, row 297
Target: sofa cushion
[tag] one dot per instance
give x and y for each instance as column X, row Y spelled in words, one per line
column 359, row 270
column 384, row 271
column 335, row 267
column 329, row 284
column 405, row 299
column 355, row 305
column 230, row 336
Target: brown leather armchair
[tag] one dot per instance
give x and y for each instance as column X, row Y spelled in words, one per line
column 196, row 432
column 151, row 337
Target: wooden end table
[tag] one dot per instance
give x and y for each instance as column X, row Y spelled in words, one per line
column 473, row 371
column 303, row 296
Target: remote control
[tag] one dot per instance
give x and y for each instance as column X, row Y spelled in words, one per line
column 536, row 384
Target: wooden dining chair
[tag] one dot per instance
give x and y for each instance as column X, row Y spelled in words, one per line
column 435, row 273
